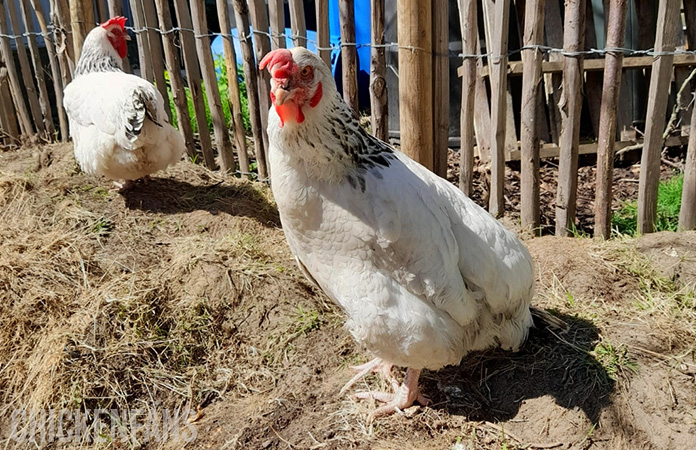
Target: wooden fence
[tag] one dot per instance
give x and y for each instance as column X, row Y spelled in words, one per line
column 564, row 80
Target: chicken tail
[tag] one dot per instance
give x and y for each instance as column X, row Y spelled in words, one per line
column 544, row 319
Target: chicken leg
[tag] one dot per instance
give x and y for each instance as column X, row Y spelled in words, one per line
column 403, row 397
column 377, row 365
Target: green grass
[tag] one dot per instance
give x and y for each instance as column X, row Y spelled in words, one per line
column 224, row 95
column 624, row 221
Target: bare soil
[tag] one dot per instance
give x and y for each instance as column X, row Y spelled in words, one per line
column 182, row 292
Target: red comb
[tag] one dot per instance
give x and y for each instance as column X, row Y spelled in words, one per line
column 280, row 56
column 118, row 20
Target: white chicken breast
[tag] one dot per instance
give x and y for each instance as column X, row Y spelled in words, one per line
column 424, row 275
column 117, row 121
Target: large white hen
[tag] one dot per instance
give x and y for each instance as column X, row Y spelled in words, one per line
column 117, row 121
column 424, row 275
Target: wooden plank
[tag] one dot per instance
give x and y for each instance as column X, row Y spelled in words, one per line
column 233, row 89
column 156, row 53
column 15, row 78
column 482, row 116
column 44, row 102
column 116, row 9
column 668, row 19
column 90, row 20
column 62, row 35
column 143, row 40
column 379, row 112
column 212, row 92
column 276, row 15
column 498, row 63
column 171, row 56
column 469, row 27
column 25, row 68
column 687, row 213
column 349, row 53
column 297, row 22
column 441, row 97
column 10, row 127
column 516, row 68
column 193, row 77
column 608, row 121
column 529, row 130
column 102, row 10
column 415, row 80
column 241, row 14
column 55, row 69
column 553, row 27
column 570, row 107
column 259, row 21
column 323, row 33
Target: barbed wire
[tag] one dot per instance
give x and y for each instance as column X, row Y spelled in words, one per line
column 243, row 37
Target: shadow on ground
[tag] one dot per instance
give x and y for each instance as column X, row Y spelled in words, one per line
column 492, row 385
column 171, row 196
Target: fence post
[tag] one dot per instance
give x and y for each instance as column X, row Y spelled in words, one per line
column 25, row 69
column 378, row 68
column 259, row 22
column 441, row 98
column 668, row 18
column 323, row 38
column 570, row 107
column 297, row 22
column 205, row 59
column 687, row 213
column 55, row 69
column 60, row 15
column 44, row 103
column 241, row 14
column 607, row 118
column 349, row 53
column 143, row 40
column 171, row 55
column 467, row 20
column 15, row 83
column 415, row 79
column 276, row 14
column 497, row 61
column 233, row 89
column 8, row 114
column 156, row 51
column 529, row 121
column 194, row 80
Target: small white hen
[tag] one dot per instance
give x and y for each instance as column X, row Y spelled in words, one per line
column 117, row 121
column 424, row 275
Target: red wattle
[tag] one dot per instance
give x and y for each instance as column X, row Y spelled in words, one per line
column 316, row 98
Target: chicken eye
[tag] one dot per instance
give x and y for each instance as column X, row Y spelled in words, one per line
column 306, row 72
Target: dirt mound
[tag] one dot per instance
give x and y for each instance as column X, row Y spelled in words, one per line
column 182, row 293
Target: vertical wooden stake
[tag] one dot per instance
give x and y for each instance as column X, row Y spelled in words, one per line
column 323, row 37
column 276, row 15
column 44, row 103
column 378, row 68
column 571, row 105
column 171, row 55
column 467, row 19
column 241, row 13
column 55, row 69
column 143, row 39
column 259, row 21
column 205, row 59
column 297, row 22
column 233, row 89
column 349, row 53
column 25, row 67
column 62, row 34
column 155, row 40
column 607, row 118
column 529, row 127
column 15, row 81
column 441, row 98
column 415, row 80
column 193, row 75
column 498, row 64
column 668, row 18
column 687, row 213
